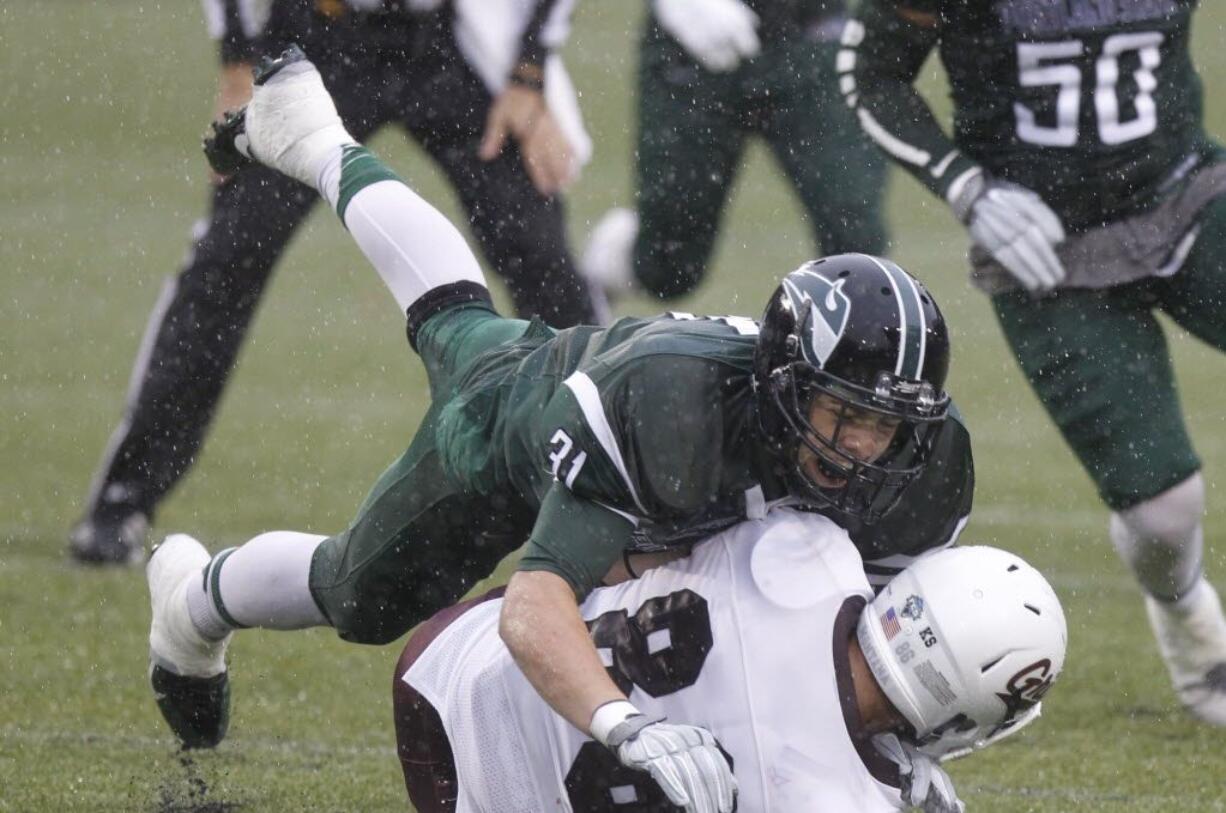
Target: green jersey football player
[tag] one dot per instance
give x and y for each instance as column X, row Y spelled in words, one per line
column 1094, row 198
column 589, row 444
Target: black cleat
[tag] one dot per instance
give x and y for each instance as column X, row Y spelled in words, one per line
column 225, row 146
column 268, row 66
column 196, row 709
column 109, row 536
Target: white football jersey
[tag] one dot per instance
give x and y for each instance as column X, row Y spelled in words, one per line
column 747, row 637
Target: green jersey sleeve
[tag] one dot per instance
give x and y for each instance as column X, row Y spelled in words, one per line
column 883, row 52
column 576, row 538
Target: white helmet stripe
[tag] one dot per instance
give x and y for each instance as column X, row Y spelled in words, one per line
column 912, row 326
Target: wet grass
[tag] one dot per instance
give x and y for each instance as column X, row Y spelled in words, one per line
column 103, row 106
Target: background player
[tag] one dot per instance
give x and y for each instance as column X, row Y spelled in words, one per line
column 497, row 142
column 713, row 639
column 1080, row 165
column 585, row 442
column 711, row 74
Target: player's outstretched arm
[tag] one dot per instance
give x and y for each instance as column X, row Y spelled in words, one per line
column 545, row 633
column 884, row 47
column 292, row 126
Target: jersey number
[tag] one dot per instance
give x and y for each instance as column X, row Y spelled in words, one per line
column 660, row 649
column 565, row 465
column 1042, row 64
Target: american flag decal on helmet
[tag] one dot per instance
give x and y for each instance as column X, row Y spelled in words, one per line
column 889, row 624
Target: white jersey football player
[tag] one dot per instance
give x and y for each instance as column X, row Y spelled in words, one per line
column 769, row 638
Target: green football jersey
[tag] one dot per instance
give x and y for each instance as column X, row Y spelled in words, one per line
column 1093, row 104
column 642, row 436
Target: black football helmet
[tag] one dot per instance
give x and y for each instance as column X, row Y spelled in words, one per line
column 868, row 334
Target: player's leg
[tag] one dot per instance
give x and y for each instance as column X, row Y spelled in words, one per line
column 185, row 358
column 1099, row 363
column 419, row 542
column 193, row 338
column 521, row 232
column 690, row 142
column 1191, row 632
column 839, row 175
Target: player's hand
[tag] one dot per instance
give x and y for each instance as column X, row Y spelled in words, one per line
column 683, row 759
column 925, row 785
column 717, row 33
column 519, row 112
column 1016, row 227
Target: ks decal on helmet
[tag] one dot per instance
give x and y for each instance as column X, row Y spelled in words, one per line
column 965, row 643
column 864, row 332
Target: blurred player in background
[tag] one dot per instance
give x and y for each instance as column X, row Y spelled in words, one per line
column 1093, row 196
column 465, row 84
column 586, row 443
column 769, row 637
column 712, row 73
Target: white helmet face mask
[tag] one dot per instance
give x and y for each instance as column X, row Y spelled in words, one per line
column 965, row 643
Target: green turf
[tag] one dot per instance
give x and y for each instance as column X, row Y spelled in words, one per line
column 103, row 104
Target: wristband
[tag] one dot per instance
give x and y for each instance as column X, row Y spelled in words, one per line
column 608, row 716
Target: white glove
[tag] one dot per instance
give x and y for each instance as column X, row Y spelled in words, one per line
column 683, row 759
column 925, row 784
column 717, row 33
column 1015, row 226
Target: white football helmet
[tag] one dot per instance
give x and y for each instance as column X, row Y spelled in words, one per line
column 964, row 643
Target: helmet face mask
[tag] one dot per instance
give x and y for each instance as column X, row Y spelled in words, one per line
column 859, row 334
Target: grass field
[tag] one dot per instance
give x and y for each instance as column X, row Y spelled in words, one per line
column 103, row 104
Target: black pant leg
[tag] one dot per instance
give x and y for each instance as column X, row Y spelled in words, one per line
column 194, row 335
column 521, row 232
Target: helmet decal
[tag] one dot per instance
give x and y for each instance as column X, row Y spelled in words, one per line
column 913, row 608
column 1027, row 687
column 826, row 323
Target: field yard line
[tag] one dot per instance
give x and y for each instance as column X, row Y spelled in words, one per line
column 1077, row 795
column 278, row 746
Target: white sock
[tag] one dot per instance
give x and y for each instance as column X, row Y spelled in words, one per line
column 264, row 583
column 409, row 242
column 1163, row 539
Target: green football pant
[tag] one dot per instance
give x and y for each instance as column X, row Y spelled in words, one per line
column 420, row 540
column 1099, row 362
column 693, row 125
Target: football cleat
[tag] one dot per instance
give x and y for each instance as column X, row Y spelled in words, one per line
column 290, row 124
column 1192, row 640
column 608, row 260
column 109, row 536
column 187, row 671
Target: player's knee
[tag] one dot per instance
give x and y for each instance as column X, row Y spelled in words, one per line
column 1170, row 518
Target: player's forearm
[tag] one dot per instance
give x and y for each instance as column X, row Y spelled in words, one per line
column 883, row 51
column 544, row 632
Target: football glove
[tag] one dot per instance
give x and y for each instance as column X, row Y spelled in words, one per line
column 683, row 760
column 717, row 33
column 925, row 785
column 1015, row 226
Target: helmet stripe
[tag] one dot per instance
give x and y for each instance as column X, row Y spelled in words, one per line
column 912, row 326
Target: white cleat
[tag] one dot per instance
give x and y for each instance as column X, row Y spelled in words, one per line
column 187, row 671
column 1192, row 639
column 291, row 121
column 608, row 260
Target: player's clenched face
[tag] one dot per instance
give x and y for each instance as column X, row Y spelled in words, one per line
column 857, row 433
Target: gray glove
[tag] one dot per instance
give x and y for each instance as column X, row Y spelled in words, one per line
column 682, row 759
column 925, row 785
column 1015, row 226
